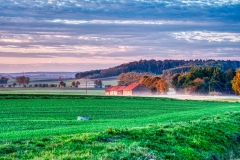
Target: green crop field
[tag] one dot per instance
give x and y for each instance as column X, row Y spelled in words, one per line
column 41, row 115
column 26, row 118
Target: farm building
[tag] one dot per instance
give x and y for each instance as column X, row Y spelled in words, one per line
column 114, row 90
column 132, row 89
column 136, row 89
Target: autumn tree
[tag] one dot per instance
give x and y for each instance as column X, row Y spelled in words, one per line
column 98, row 82
column 155, row 84
column 162, row 86
column 62, row 84
column 73, row 84
column 77, row 83
column 22, row 80
column 149, row 82
column 236, row 82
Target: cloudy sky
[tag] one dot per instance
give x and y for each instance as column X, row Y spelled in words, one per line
column 79, row 35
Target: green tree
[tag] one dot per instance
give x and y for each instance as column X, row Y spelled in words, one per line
column 175, row 80
column 197, row 80
column 230, row 74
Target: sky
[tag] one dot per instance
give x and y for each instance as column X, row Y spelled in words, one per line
column 81, row 35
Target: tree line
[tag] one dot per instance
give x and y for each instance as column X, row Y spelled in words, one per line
column 199, row 80
column 23, row 81
column 202, row 80
column 166, row 67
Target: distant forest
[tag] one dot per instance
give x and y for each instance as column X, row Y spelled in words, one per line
column 157, row 67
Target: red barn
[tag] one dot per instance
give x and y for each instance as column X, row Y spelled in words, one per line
column 114, row 90
column 136, row 89
column 107, row 91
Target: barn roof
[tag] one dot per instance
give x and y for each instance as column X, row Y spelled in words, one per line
column 119, row 88
column 109, row 88
column 132, row 86
column 115, row 88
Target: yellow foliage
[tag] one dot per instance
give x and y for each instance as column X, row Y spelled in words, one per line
column 159, row 83
column 162, row 86
column 236, row 82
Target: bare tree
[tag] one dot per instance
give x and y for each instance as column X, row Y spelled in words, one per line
column 125, row 79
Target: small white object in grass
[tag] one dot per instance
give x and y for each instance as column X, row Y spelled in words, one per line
column 79, row 118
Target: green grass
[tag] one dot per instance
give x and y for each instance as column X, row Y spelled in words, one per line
column 215, row 137
column 25, row 116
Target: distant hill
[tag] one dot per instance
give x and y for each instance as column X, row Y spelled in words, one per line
column 44, row 75
column 158, row 67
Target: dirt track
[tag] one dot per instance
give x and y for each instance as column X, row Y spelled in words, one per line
column 191, row 97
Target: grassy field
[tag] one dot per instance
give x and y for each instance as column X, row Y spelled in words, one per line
column 118, row 124
column 60, row 91
column 213, row 138
column 42, row 115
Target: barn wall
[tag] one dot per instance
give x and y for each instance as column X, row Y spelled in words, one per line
column 107, row 92
column 111, row 92
column 128, row 92
column 140, row 90
column 120, row 93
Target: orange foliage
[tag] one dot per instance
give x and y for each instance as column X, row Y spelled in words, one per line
column 236, row 82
